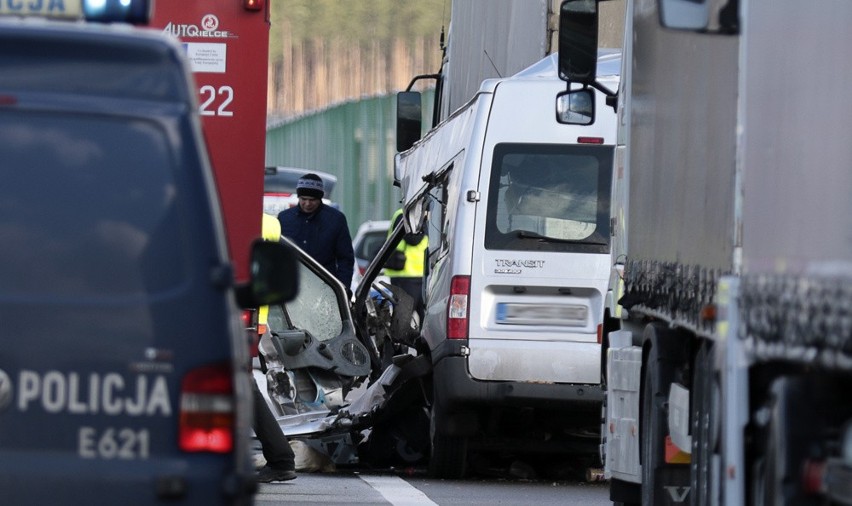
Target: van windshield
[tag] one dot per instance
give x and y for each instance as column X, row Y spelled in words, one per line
column 548, row 197
column 87, row 207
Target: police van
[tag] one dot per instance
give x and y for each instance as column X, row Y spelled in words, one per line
column 124, row 372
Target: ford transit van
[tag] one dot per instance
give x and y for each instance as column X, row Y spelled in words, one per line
column 516, row 202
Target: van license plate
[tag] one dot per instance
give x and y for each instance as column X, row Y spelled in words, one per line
column 541, row 314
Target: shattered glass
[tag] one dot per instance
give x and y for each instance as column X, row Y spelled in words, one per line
column 316, row 307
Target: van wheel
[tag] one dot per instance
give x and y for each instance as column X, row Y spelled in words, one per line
column 448, row 457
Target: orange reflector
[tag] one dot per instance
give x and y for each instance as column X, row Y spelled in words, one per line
column 674, row 455
column 708, row 313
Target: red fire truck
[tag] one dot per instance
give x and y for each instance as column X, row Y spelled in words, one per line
column 227, row 44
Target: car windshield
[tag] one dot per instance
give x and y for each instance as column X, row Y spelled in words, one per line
column 549, row 197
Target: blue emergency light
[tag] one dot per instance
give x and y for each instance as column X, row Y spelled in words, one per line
column 136, row 12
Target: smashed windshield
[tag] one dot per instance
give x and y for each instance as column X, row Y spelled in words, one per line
column 315, row 309
column 549, row 197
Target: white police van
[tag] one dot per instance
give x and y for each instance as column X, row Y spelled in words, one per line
column 123, row 364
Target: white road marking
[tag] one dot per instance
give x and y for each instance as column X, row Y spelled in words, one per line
column 397, row 491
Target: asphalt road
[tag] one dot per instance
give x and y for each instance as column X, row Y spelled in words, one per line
column 347, row 488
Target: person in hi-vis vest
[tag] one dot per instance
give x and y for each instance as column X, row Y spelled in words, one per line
column 405, row 267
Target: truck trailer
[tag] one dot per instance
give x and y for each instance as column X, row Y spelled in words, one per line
column 729, row 380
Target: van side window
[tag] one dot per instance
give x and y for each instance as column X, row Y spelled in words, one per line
column 549, row 197
column 437, row 216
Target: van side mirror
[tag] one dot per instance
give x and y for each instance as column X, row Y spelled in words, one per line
column 578, row 41
column 408, row 119
column 273, row 275
column 576, row 107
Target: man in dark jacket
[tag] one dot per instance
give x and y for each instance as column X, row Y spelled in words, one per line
column 320, row 230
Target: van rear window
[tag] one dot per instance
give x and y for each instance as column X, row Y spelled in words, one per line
column 545, row 197
column 87, row 207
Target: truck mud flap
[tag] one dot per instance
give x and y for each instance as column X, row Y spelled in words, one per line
column 673, row 485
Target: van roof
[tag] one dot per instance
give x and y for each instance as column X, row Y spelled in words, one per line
column 609, row 68
column 609, row 64
column 108, row 59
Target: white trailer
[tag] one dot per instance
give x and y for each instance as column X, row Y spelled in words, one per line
column 730, row 380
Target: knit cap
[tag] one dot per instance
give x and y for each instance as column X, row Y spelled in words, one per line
column 310, row 185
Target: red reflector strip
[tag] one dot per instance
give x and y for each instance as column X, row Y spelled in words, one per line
column 813, row 476
column 590, row 140
column 277, row 194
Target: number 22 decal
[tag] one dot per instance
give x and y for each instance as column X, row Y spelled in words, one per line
column 210, row 92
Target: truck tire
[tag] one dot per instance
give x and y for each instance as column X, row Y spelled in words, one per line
column 448, row 456
column 665, row 355
column 795, row 423
column 653, row 436
column 704, row 424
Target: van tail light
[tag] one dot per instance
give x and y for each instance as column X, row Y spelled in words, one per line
column 458, row 308
column 600, row 333
column 207, row 410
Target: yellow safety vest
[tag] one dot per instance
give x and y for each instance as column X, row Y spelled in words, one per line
column 414, row 255
column 270, row 231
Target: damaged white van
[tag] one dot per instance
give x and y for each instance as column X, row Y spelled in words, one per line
column 517, row 205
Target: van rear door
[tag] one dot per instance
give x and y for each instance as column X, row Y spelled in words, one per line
column 541, row 261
